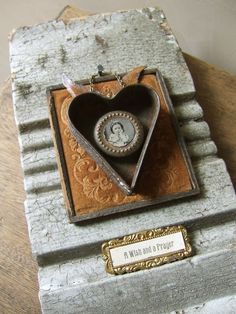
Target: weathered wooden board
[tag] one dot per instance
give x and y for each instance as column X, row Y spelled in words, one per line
column 159, row 290
column 74, row 48
column 216, row 94
column 218, row 306
column 18, row 271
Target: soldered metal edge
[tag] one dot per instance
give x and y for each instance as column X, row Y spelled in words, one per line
column 148, row 263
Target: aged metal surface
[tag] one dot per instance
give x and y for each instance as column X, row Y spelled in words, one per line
column 76, row 279
column 123, row 174
column 75, row 164
column 137, row 261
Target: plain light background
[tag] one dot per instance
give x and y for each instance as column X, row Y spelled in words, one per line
column 204, row 28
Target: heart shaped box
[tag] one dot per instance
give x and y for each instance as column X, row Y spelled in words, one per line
column 86, row 109
column 166, row 173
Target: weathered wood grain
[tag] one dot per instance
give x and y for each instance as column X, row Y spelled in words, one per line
column 42, row 181
column 52, row 238
column 142, row 34
column 193, row 131
column 51, row 234
column 216, row 94
column 188, row 110
column 200, row 242
column 201, row 149
column 228, row 304
column 18, row 271
column 159, row 290
column 71, row 272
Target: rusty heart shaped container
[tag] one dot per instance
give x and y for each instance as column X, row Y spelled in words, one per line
column 140, row 103
column 158, row 172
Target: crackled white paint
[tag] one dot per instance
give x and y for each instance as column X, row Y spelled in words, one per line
column 72, row 277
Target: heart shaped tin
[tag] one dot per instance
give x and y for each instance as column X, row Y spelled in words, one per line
column 86, row 109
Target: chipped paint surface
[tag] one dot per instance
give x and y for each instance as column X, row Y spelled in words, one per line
column 72, row 276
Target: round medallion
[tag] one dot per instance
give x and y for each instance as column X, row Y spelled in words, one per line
column 119, row 133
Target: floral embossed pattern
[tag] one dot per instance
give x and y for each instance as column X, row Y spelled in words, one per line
column 94, row 182
column 164, row 171
column 150, row 262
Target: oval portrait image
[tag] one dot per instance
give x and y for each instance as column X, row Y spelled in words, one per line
column 119, row 133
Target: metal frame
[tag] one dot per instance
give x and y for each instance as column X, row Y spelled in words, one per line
column 130, row 206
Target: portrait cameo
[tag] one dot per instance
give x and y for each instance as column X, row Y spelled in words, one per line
column 119, row 133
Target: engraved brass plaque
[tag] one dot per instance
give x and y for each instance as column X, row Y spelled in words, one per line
column 146, row 249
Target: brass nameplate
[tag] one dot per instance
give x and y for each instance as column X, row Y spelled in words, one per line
column 147, row 249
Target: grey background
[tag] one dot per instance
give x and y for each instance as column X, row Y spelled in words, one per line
column 204, row 28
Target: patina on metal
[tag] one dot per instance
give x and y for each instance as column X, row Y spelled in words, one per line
column 142, row 105
column 119, row 134
column 129, row 174
column 146, row 249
